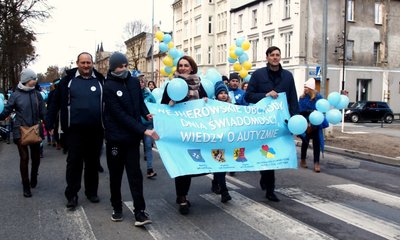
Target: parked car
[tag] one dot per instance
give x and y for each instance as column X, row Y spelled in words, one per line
column 369, row 110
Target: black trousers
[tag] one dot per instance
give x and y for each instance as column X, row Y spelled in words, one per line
column 316, row 145
column 84, row 146
column 268, row 178
column 126, row 155
column 24, row 159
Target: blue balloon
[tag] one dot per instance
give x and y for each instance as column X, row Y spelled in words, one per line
column 239, row 41
column 1, row 97
column 214, row 76
column 157, row 93
column 176, row 60
column 344, row 102
column 208, row 86
column 167, row 38
column 334, row 98
column 246, row 79
column 239, row 51
column 231, row 60
column 173, row 52
column 163, row 47
column 297, row 124
column 322, row 105
column 1, row 106
column 334, row 116
column 177, row 89
column 243, row 58
column 198, row 72
column 211, row 70
column 181, row 54
column 168, row 69
column 316, row 118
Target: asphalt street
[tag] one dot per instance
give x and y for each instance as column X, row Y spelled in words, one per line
column 350, row 199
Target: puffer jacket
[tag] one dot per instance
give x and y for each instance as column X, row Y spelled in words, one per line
column 26, row 110
column 124, row 106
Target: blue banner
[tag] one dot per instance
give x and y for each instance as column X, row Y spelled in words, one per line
column 198, row 137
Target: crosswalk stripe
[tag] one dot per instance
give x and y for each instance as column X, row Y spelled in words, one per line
column 170, row 227
column 383, row 228
column 69, row 224
column 380, row 197
column 235, row 180
column 264, row 219
column 228, row 185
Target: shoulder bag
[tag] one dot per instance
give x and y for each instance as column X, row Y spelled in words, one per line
column 31, row 135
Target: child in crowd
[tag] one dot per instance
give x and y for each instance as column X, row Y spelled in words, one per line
column 219, row 182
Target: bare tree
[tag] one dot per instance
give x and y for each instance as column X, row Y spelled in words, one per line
column 134, row 28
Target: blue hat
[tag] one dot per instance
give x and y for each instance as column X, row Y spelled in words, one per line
column 219, row 87
column 116, row 60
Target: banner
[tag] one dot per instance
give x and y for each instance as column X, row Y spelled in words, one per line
column 198, row 137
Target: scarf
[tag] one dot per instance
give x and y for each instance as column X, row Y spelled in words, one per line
column 193, row 82
column 25, row 88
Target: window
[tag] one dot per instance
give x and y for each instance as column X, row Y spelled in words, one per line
column 187, row 5
column 198, row 26
column 226, row 20
column 224, row 52
column 377, row 52
column 240, row 22
column 350, row 10
column 186, row 52
column 378, row 13
column 186, row 30
column 288, row 44
column 219, row 22
column 210, row 1
column 219, row 54
column 349, row 50
column 287, row 8
column 198, row 2
column 210, row 24
column 269, row 41
column 198, row 56
column 269, row 13
column 254, row 44
column 254, row 18
column 209, row 54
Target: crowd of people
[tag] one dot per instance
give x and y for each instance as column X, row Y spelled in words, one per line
column 86, row 110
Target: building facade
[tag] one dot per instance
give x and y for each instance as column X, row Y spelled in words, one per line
column 102, row 60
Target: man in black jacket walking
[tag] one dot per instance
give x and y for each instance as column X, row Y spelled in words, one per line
column 79, row 97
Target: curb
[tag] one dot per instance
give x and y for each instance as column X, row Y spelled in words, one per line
column 362, row 155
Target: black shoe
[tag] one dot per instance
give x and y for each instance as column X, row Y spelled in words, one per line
column 33, row 180
column 215, row 188
column 151, row 173
column 272, row 197
column 179, row 201
column 232, row 173
column 184, row 208
column 94, row 199
column 72, row 203
column 27, row 192
column 142, row 218
column 117, row 216
column 101, row 169
column 225, row 196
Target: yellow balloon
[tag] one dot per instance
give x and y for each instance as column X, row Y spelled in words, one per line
column 170, row 76
column 246, row 45
column 160, row 35
column 168, row 61
column 237, row 67
column 243, row 73
column 170, row 45
column 247, row 65
column 233, row 55
column 163, row 72
column 173, row 70
column 232, row 48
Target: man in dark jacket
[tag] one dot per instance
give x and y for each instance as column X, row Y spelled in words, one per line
column 269, row 81
column 79, row 96
column 124, row 106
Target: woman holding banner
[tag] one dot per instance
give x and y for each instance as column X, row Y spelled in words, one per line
column 186, row 69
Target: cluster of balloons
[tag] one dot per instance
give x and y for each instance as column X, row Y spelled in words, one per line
column 298, row 124
column 1, row 103
column 239, row 58
column 173, row 57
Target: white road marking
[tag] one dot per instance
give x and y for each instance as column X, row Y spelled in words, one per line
column 173, row 225
column 375, row 225
column 228, row 185
column 380, row 197
column 232, row 179
column 264, row 219
column 69, row 224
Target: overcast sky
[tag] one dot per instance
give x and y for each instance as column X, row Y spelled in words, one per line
column 81, row 25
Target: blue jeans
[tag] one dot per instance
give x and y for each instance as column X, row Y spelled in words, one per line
column 148, row 146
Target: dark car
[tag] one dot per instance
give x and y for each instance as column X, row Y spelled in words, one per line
column 369, row 110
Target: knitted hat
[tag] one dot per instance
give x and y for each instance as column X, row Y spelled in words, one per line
column 219, row 87
column 310, row 83
column 225, row 78
column 233, row 76
column 27, row 75
column 116, row 60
